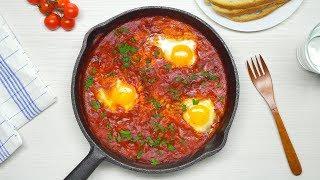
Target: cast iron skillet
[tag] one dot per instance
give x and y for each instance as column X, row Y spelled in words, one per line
column 97, row 153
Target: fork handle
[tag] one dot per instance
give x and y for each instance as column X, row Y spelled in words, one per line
column 291, row 155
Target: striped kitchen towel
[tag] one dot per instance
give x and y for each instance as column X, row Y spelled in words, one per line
column 23, row 95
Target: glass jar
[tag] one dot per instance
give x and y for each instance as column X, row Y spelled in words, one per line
column 308, row 54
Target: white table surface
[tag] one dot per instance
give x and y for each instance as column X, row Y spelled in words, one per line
column 53, row 143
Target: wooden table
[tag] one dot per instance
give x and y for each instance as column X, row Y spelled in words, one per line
column 53, row 143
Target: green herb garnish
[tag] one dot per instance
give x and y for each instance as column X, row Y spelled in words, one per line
column 152, row 80
column 154, row 162
column 110, row 137
column 150, row 141
column 195, row 101
column 111, row 74
column 184, row 107
column 156, row 53
column 89, row 82
column 148, row 62
column 171, row 127
column 209, row 75
column 133, row 40
column 121, row 30
column 93, row 71
column 178, row 79
column 124, row 49
column 155, row 103
column 95, row 105
column 126, row 61
column 158, row 127
column 103, row 114
column 137, row 137
column 125, row 134
column 157, row 115
column 139, row 154
column 174, row 93
column 171, row 147
column 168, row 67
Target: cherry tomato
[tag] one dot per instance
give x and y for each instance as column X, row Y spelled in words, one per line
column 52, row 21
column 46, row 7
column 67, row 24
column 62, row 3
column 71, row 10
column 33, row 2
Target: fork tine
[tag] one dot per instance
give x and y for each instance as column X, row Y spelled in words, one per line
column 250, row 71
column 256, row 72
column 264, row 66
column 260, row 68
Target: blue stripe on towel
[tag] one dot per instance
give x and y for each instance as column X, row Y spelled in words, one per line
column 3, row 152
column 15, row 88
column 19, row 84
column 14, row 97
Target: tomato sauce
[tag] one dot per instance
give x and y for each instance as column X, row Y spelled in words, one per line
column 149, row 134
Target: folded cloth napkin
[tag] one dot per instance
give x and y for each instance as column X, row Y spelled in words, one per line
column 23, row 95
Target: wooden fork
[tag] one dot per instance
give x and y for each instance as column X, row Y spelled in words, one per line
column 261, row 79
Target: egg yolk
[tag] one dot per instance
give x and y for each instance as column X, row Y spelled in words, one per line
column 199, row 115
column 181, row 55
column 121, row 94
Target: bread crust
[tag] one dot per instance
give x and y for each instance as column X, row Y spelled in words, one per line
column 254, row 16
column 228, row 4
column 239, row 12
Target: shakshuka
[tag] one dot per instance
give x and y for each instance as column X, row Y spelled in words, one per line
column 154, row 90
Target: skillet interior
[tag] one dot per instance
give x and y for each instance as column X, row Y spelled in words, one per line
column 215, row 144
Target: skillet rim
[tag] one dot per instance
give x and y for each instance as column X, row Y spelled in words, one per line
column 96, row 146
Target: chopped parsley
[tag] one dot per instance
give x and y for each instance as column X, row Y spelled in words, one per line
column 121, row 30
column 178, row 79
column 126, row 61
column 133, row 40
column 124, row 49
column 158, row 127
column 156, row 104
column 195, row 101
column 95, row 105
column 168, row 67
column 154, row 161
column 111, row 74
column 148, row 62
column 208, row 75
column 103, row 115
column 139, row 154
column 171, row 127
column 108, row 126
column 175, row 93
column 171, row 147
column 110, row 137
column 89, row 82
column 184, row 107
column 156, row 53
column 152, row 80
column 150, row 141
column 137, row 137
column 125, row 134
column 157, row 115
column 93, row 71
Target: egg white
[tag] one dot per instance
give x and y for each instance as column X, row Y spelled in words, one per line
column 166, row 45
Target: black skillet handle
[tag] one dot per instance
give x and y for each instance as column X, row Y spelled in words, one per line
column 85, row 168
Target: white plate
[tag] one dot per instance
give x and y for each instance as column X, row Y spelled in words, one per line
column 267, row 22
